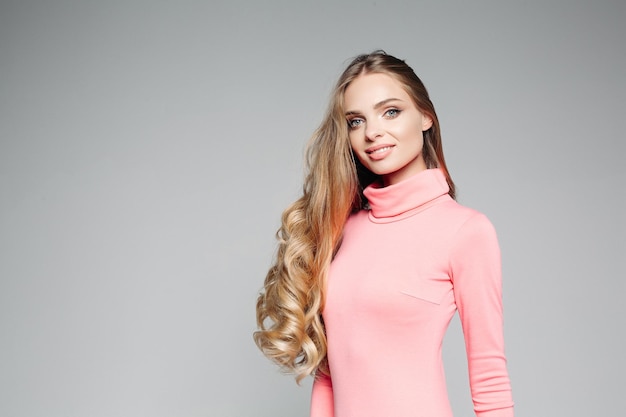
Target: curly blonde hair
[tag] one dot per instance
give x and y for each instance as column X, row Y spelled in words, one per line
column 289, row 309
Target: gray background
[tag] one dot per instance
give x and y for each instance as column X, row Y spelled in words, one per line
column 147, row 149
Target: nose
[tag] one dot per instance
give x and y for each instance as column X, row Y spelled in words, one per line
column 373, row 131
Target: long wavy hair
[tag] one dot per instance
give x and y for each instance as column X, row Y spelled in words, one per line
column 289, row 309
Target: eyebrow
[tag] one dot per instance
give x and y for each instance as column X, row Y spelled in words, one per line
column 376, row 106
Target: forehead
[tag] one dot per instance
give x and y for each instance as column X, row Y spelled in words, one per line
column 368, row 89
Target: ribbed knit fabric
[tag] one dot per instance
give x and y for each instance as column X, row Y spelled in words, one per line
column 404, row 268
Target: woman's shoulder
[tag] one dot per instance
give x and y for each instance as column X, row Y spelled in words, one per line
column 359, row 215
column 464, row 217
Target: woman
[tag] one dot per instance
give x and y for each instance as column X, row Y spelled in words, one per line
column 375, row 258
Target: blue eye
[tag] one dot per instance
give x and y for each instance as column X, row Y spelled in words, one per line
column 391, row 113
column 354, row 123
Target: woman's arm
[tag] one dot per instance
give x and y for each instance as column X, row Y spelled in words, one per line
column 477, row 279
column 322, row 397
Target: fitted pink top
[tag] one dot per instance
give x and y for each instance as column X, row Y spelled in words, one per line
column 404, row 267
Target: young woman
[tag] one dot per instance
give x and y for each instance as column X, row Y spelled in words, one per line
column 375, row 258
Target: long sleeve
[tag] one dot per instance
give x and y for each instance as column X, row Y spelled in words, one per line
column 322, row 397
column 476, row 275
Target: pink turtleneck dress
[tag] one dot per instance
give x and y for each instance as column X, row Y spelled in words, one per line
column 404, row 268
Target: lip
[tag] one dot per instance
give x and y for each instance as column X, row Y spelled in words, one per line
column 379, row 152
column 377, row 147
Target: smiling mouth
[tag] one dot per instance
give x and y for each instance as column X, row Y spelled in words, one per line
column 379, row 150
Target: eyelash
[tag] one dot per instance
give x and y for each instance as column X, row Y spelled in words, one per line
column 387, row 113
column 352, row 125
column 397, row 112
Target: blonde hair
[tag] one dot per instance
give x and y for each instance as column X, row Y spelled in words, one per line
column 291, row 329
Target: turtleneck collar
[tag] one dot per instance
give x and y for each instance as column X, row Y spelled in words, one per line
column 406, row 197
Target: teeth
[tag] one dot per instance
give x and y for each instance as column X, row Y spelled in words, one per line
column 381, row 149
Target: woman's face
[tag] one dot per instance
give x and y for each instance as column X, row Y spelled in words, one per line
column 385, row 127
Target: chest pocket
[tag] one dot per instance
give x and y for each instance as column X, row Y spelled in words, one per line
column 429, row 289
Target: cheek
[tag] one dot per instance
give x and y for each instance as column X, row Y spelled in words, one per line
column 413, row 134
column 352, row 139
column 356, row 149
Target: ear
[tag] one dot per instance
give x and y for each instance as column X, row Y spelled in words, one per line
column 427, row 122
